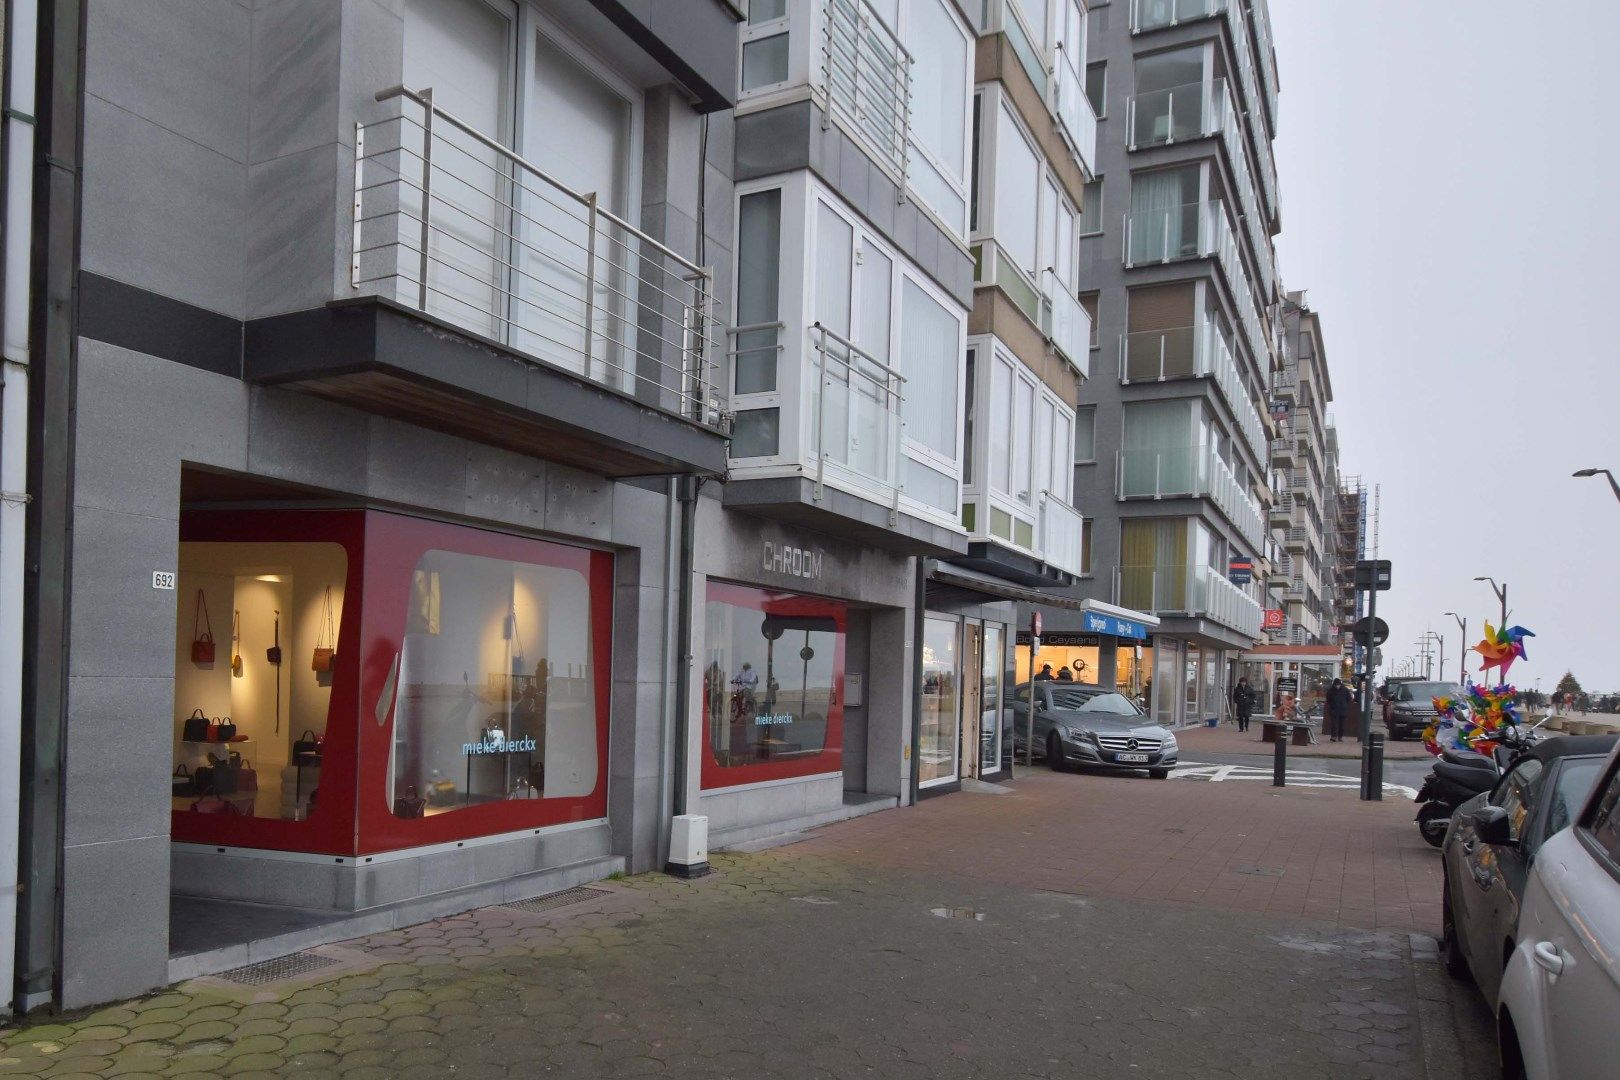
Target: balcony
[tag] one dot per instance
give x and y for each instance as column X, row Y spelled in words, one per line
column 1191, row 352
column 1061, row 535
column 855, row 419
column 1189, row 472
column 1065, row 323
column 1158, row 14
column 489, row 300
column 1076, row 120
column 1197, row 591
column 866, row 73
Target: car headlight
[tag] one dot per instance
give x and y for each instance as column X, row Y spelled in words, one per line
column 1080, row 735
column 1169, row 742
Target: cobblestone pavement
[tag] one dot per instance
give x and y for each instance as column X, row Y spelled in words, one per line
column 817, row 960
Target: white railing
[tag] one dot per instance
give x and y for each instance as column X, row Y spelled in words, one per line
column 1189, row 472
column 1076, row 118
column 1165, row 589
column 1190, row 352
column 1062, row 529
column 866, row 73
column 1065, row 323
column 857, row 415
column 453, row 224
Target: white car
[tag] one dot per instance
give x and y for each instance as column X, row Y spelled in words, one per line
column 1556, row 1014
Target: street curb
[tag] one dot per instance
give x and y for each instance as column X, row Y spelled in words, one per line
column 1445, row 1054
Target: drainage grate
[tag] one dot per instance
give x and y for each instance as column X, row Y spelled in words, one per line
column 282, row 967
column 552, row 901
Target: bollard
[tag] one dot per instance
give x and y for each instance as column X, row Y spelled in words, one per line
column 1279, row 760
column 1375, row 766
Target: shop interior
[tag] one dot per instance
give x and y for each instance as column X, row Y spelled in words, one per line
column 1133, row 673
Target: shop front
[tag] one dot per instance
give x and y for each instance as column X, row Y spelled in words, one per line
column 1303, row 671
column 801, row 682
column 371, row 706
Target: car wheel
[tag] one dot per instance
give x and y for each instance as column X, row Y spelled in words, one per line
column 1451, row 954
column 1159, row 774
column 1054, row 752
column 1432, row 822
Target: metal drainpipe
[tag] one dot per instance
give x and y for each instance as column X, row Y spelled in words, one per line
column 690, row 487
column 53, row 351
column 17, row 169
column 919, row 606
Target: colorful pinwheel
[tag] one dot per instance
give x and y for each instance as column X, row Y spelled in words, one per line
column 1501, row 646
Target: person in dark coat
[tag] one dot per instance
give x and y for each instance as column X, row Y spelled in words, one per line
column 1339, row 705
column 1243, row 703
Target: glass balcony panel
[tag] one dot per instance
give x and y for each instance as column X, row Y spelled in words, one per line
column 1154, row 355
column 1154, row 14
column 1167, row 116
column 1163, row 235
column 1062, row 529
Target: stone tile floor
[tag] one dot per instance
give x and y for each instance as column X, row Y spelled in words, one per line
column 836, row 958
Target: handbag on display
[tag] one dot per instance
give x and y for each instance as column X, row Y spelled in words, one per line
column 236, row 644
column 325, row 655
column 227, row 729
column 213, row 804
column 307, row 743
column 410, row 805
column 202, row 780
column 224, row 775
column 184, row 783
column 202, row 633
column 195, row 728
column 247, row 777
column 273, row 653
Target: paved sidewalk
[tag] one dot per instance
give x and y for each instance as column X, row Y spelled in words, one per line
column 975, row 935
column 1226, row 739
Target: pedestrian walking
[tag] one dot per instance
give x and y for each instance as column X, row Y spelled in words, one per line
column 1339, row 704
column 1243, row 703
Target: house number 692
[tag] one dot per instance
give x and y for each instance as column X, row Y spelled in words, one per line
column 163, row 579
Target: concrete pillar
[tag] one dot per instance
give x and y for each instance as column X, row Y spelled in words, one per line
column 888, row 704
column 1108, row 663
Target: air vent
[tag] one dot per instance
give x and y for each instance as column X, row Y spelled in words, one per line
column 282, row 967
column 552, row 901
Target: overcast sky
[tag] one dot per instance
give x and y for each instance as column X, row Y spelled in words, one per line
column 1446, row 169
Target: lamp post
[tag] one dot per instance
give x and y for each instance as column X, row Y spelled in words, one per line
column 1501, row 595
column 1613, row 486
column 1462, row 654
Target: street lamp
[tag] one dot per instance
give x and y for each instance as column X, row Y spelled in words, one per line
column 1501, row 595
column 1615, row 487
column 1462, row 655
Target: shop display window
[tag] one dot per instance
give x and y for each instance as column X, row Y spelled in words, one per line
column 773, row 685
column 941, row 701
column 379, row 681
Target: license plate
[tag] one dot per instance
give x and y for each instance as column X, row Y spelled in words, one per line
column 1131, row 757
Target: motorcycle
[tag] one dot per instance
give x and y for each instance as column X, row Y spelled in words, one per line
column 1459, row 775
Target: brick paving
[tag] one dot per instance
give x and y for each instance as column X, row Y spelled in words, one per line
column 1226, row 739
column 1125, row 928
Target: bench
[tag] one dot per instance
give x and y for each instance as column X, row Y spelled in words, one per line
column 1300, row 734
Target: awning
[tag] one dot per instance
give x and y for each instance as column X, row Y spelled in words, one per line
column 1101, row 618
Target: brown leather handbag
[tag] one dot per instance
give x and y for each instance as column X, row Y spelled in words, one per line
column 325, row 654
column 202, row 633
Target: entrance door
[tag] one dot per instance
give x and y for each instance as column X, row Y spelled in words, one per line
column 990, row 691
column 972, row 696
column 941, row 701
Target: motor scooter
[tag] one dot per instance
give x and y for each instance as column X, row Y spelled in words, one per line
column 1459, row 775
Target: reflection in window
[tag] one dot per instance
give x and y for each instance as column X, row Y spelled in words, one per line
column 936, row 757
column 772, row 676
column 496, row 699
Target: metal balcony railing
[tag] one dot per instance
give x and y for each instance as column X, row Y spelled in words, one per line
column 866, row 72
column 1189, row 352
column 1174, row 589
column 1062, row 531
column 1189, row 472
column 453, row 224
column 1156, row 14
column 857, row 415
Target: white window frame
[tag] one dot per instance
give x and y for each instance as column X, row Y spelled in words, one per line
column 960, row 177
column 802, row 198
column 795, row 23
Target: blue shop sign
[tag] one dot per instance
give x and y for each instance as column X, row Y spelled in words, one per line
column 1114, row 626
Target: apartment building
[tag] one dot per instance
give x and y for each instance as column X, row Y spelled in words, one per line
column 1305, row 475
column 1178, row 272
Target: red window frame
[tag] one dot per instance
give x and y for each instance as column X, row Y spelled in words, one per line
column 716, row 776
column 383, row 550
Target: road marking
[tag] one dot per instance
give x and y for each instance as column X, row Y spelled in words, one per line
column 1215, row 774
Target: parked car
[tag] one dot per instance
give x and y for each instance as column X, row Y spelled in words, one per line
column 1080, row 724
column 1495, row 839
column 1410, row 706
column 1561, row 990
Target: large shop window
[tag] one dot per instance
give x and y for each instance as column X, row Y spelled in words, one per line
column 773, row 685
column 380, row 682
column 941, row 702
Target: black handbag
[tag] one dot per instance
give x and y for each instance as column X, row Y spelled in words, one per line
column 306, row 744
column 202, row 780
column 224, row 775
column 184, row 783
column 196, row 727
column 227, row 729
